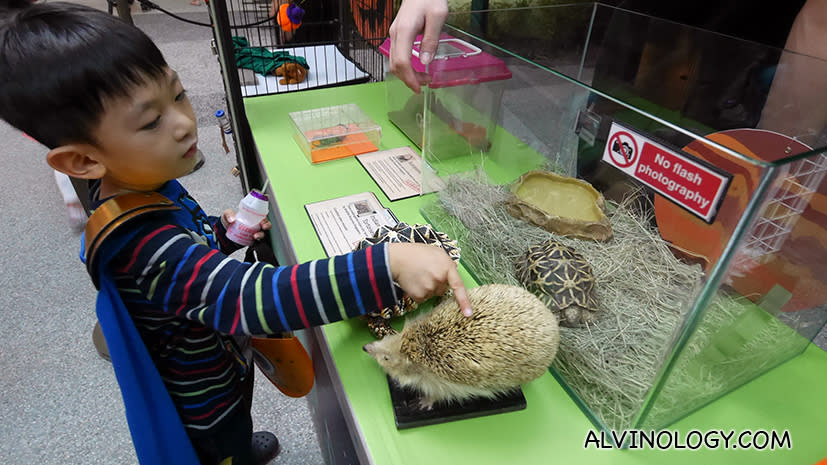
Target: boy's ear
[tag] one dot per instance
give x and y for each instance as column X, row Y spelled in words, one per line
column 75, row 160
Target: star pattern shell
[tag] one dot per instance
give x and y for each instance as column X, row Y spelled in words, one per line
column 562, row 278
column 379, row 323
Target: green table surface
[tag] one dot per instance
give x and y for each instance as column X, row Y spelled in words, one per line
column 552, row 429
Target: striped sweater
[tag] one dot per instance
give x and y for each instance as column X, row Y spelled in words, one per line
column 187, row 297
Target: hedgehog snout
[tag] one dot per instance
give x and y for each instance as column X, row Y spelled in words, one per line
column 369, row 347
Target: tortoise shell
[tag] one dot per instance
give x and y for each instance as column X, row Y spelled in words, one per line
column 562, row 279
column 379, row 323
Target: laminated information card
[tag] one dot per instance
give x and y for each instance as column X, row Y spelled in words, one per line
column 398, row 172
column 342, row 222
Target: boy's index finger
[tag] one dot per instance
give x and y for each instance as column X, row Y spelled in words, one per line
column 460, row 293
column 462, row 300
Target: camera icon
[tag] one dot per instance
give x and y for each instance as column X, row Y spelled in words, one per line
column 627, row 152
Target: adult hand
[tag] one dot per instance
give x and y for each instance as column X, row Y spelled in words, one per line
column 414, row 17
column 796, row 100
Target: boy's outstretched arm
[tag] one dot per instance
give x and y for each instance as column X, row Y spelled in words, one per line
column 165, row 269
column 425, row 271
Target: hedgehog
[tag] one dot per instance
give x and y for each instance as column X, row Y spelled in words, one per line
column 511, row 339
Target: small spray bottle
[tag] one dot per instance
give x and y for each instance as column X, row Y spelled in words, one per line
column 226, row 128
column 252, row 210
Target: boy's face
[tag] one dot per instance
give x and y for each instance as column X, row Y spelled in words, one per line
column 148, row 138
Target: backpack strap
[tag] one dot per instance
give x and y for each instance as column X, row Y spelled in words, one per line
column 282, row 358
column 157, row 432
column 114, row 213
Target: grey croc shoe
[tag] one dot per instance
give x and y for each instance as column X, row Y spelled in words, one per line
column 265, row 447
column 100, row 342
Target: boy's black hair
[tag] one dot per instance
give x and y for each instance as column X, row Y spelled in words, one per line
column 60, row 62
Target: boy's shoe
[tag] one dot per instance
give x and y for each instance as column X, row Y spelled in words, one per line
column 100, row 342
column 77, row 215
column 265, row 447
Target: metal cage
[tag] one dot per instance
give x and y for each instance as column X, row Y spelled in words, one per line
column 338, row 40
column 331, row 40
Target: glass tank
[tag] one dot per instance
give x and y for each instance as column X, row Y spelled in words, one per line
column 684, row 167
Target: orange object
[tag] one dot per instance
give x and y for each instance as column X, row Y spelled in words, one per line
column 292, row 73
column 372, row 19
column 692, row 234
column 284, row 21
column 793, row 267
column 285, row 363
column 324, row 147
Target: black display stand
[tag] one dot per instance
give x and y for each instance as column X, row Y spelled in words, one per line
column 408, row 414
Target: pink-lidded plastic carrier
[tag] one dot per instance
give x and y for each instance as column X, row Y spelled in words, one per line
column 453, row 120
column 455, row 63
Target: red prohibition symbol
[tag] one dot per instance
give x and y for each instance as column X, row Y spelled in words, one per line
column 623, row 149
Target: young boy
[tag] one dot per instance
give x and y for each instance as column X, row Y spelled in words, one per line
column 98, row 93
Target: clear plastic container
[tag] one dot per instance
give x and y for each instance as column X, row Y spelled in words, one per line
column 335, row 132
column 462, row 99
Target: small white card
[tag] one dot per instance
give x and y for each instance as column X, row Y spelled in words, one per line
column 342, row 222
column 398, row 172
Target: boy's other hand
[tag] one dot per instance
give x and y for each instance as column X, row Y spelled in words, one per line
column 228, row 218
column 413, row 17
column 424, row 271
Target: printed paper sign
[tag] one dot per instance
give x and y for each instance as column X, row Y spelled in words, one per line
column 679, row 177
column 342, row 222
column 397, row 172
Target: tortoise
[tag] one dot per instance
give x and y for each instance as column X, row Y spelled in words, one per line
column 562, row 279
column 379, row 323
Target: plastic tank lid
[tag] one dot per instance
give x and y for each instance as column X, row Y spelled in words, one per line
column 457, row 63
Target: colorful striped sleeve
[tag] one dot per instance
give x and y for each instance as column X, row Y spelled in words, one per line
column 173, row 273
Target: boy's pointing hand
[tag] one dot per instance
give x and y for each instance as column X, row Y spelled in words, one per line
column 425, row 271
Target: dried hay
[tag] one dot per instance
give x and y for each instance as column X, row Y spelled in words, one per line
column 641, row 287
